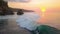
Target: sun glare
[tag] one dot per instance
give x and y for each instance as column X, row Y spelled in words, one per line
column 43, row 9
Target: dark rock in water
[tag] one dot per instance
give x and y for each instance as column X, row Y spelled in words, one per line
column 20, row 12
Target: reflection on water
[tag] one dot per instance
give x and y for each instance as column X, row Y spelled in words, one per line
column 51, row 18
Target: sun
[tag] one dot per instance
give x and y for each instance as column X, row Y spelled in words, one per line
column 43, row 9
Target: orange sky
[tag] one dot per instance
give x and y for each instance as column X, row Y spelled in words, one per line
column 37, row 5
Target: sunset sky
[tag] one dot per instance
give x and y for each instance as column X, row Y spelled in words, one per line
column 37, row 5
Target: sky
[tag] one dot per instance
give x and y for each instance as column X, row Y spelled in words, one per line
column 17, row 0
column 36, row 5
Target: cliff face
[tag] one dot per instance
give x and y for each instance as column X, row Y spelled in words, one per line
column 4, row 9
column 3, row 4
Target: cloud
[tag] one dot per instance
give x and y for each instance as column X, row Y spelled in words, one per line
column 18, row 0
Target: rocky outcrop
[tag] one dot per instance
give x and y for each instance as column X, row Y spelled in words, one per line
column 4, row 9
